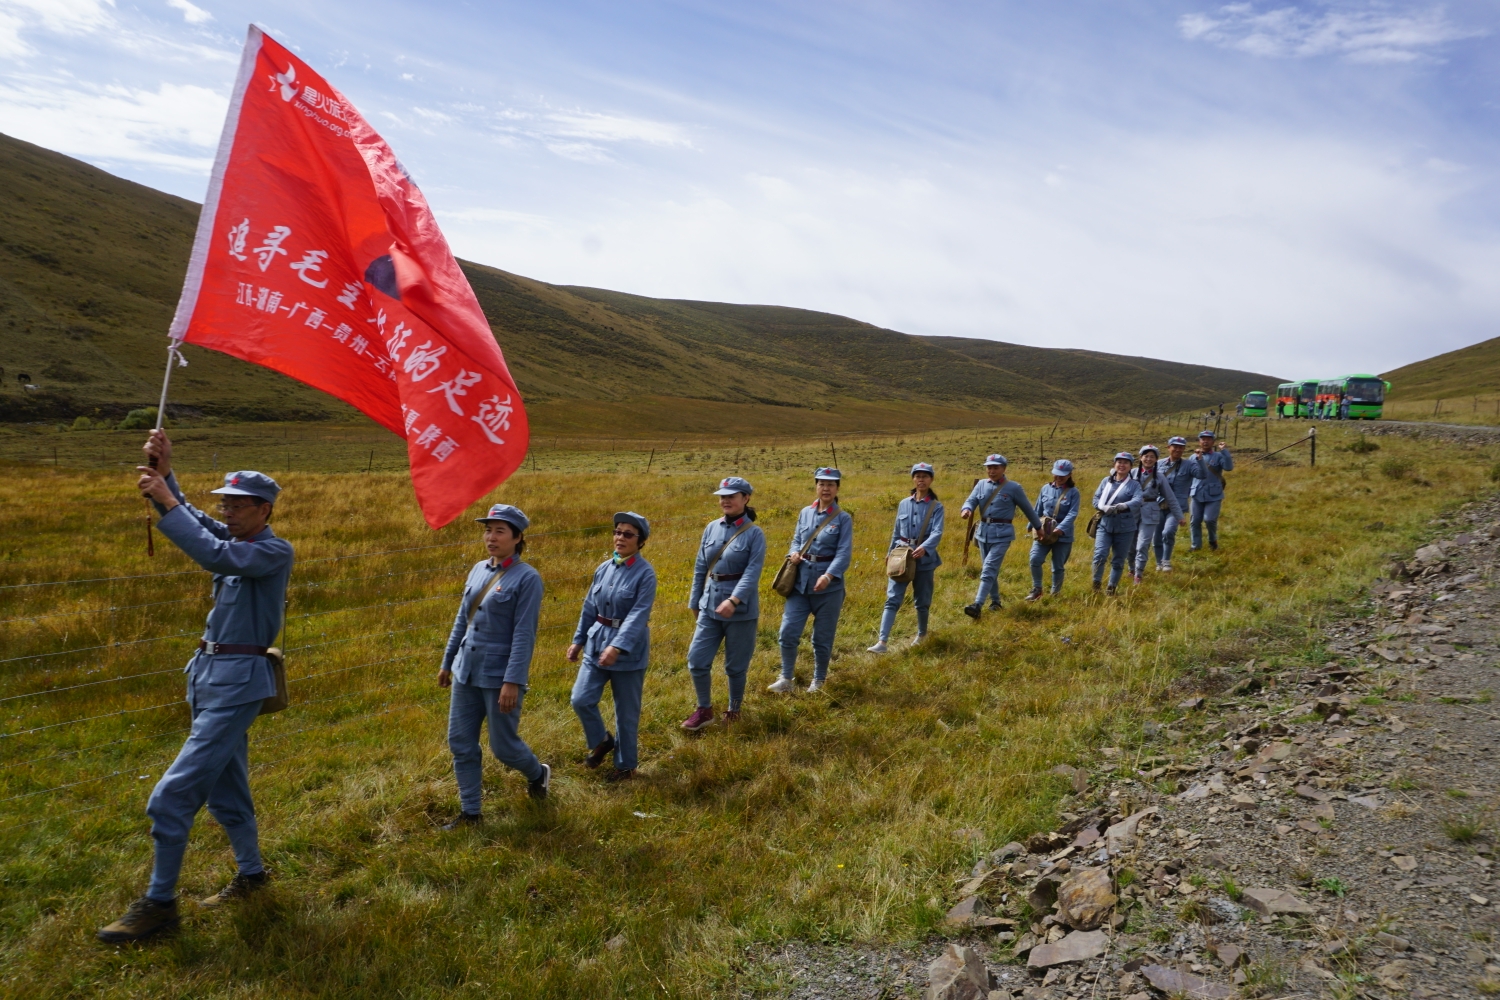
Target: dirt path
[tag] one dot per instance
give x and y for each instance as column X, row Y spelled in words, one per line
column 1312, row 831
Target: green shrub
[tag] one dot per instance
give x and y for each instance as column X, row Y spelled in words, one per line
column 1363, row 446
column 82, row 423
column 136, row 420
column 1396, row 467
column 1495, row 473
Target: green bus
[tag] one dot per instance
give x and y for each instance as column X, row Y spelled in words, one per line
column 1255, row 403
column 1296, row 399
column 1353, row 397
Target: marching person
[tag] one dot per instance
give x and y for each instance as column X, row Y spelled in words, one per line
column 821, row 549
column 487, row 662
column 992, row 504
column 1057, row 501
column 1118, row 500
column 227, row 680
column 1179, row 476
column 1158, row 501
column 919, row 525
column 725, row 600
column 613, row 639
column 1212, row 460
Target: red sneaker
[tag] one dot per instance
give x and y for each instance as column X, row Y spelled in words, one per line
column 701, row 717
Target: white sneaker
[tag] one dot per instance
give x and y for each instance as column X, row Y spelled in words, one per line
column 879, row 647
column 917, row 640
column 816, row 686
column 1165, row 567
column 782, row 685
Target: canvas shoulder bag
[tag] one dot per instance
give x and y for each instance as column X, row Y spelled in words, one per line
column 1049, row 535
column 899, row 564
column 282, row 698
column 1093, row 526
column 785, row 583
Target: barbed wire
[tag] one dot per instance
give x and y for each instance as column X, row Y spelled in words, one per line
column 75, row 687
column 101, row 611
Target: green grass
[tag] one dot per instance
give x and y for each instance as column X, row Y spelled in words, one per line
column 743, row 834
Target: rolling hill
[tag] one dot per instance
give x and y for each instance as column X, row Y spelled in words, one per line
column 91, row 266
column 1469, row 371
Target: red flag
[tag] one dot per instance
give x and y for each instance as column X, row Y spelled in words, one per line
column 317, row 256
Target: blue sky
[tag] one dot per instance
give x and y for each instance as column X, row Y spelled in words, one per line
column 1299, row 189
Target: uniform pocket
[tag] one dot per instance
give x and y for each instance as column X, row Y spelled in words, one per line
column 229, row 590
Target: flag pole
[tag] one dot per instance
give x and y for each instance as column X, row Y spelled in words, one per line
column 161, row 416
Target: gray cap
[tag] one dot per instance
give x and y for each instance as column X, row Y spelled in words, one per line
column 1127, row 456
column 641, row 524
column 732, row 485
column 1062, row 467
column 510, row 515
column 249, row 484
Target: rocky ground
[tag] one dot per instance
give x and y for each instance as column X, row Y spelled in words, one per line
column 1299, row 831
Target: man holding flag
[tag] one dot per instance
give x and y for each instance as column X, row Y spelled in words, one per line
column 229, row 678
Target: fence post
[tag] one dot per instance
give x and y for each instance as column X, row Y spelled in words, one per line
column 1312, row 446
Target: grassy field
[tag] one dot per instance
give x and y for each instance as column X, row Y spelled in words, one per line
column 843, row 816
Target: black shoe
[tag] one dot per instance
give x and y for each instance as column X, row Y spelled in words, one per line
column 144, row 919
column 238, row 888
column 1214, row 546
column 538, row 788
column 1035, row 595
column 620, row 774
column 1110, row 591
column 973, row 611
column 604, row 749
column 462, row 820
column 1098, row 586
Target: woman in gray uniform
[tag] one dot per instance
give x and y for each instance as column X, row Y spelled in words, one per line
column 613, row 639
column 488, row 662
column 1118, row 500
column 919, row 526
column 821, row 550
column 1158, row 498
column 1058, row 502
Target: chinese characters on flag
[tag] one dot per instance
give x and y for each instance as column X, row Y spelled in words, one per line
column 317, row 256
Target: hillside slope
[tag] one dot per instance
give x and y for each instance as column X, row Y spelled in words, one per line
column 91, row 265
column 1468, row 371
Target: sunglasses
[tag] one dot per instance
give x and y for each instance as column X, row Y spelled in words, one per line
column 627, row 534
column 230, row 508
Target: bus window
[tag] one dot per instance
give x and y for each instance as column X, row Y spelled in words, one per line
column 1256, row 400
column 1366, row 390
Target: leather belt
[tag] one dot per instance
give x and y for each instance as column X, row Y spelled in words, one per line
column 231, row 648
column 611, row 622
column 999, row 520
column 726, row 577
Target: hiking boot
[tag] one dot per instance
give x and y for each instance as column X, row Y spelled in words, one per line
column 144, row 919
column 604, row 749
column 462, row 820
column 1097, row 586
column 731, row 716
column 879, row 647
column 973, row 611
column 238, row 888
column 538, row 789
column 1214, row 546
column 1164, row 567
column 782, row 685
column 1110, row 590
column 1054, row 591
column 817, row 685
column 1036, row 594
column 620, row 774
column 701, row 717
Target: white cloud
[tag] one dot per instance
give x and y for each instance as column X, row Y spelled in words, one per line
column 62, row 17
column 614, row 128
column 175, row 127
column 1372, row 35
column 191, row 12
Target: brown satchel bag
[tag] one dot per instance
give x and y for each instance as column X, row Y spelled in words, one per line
column 282, row 698
column 899, row 564
column 1050, row 535
column 785, row 583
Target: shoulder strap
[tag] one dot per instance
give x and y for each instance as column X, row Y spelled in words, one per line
column 833, row 512
column 989, row 499
column 1057, row 504
column 479, row 598
column 725, row 548
column 922, row 534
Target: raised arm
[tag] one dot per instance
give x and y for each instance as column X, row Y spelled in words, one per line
column 219, row 555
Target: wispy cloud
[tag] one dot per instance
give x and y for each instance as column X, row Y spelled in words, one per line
column 59, row 17
column 191, row 12
column 1371, row 34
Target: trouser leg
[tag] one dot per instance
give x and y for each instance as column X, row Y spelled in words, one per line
column 465, row 716
column 626, row 686
column 229, row 802
column 1213, row 532
column 588, row 688
column 793, row 621
column 1145, row 536
column 705, row 646
column 1038, row 556
column 1196, row 525
column 1120, row 543
column 1060, row 553
column 921, row 590
column 739, row 647
column 1211, row 520
column 825, row 610
column 1168, row 538
column 217, row 737
column 505, row 735
column 989, row 573
column 1101, row 553
column 895, row 593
